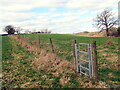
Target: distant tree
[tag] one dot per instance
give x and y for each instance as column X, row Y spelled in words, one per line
column 105, row 21
column 9, row 29
column 45, row 30
column 85, row 32
column 49, row 31
column 34, row 30
column 18, row 29
column 27, row 31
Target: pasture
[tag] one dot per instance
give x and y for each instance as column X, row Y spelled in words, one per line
column 18, row 70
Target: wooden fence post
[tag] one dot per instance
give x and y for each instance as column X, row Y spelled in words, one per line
column 74, row 42
column 52, row 45
column 95, row 64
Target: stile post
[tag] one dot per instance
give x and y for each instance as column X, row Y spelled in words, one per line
column 74, row 42
column 52, row 45
column 74, row 55
column 95, row 64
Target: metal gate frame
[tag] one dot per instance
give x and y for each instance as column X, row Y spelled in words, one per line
column 89, row 61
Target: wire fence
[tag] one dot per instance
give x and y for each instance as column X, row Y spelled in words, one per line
column 81, row 53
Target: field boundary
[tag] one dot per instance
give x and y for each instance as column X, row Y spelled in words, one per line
column 61, row 46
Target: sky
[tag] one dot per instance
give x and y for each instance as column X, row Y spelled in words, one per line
column 58, row 16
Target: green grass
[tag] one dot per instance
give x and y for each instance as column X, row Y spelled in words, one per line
column 6, row 48
column 64, row 42
column 18, row 71
column 83, row 35
column 64, row 49
column 17, row 75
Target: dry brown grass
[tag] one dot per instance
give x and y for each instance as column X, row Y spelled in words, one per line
column 17, row 56
column 90, row 85
column 110, row 42
column 102, row 50
column 100, row 46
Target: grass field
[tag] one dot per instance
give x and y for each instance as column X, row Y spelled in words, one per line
column 107, row 48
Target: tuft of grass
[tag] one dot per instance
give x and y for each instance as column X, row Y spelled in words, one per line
column 110, row 42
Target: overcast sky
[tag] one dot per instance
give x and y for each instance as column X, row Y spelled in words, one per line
column 59, row 16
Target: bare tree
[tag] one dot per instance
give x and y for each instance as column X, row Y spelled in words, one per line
column 18, row 29
column 27, row 31
column 45, row 30
column 9, row 29
column 105, row 21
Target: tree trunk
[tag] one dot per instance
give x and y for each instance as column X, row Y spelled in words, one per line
column 107, row 32
column 118, row 31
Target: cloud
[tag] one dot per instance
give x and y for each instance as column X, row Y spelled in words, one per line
column 92, row 4
column 52, row 9
column 23, row 5
column 14, row 16
column 78, row 14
